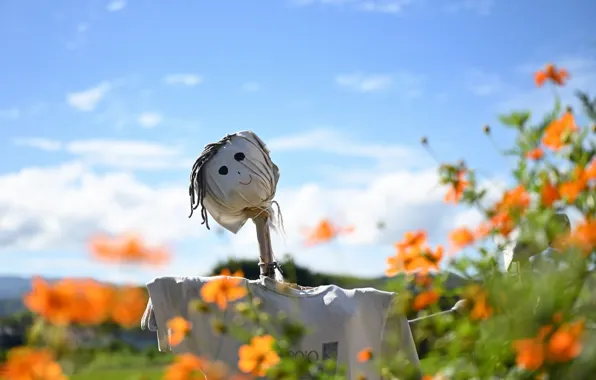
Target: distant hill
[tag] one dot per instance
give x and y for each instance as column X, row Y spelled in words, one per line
column 14, row 286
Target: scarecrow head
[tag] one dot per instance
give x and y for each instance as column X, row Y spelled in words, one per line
column 231, row 179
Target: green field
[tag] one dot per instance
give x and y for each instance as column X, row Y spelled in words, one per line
column 120, row 374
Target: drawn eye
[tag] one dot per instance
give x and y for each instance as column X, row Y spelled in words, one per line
column 239, row 156
column 223, row 170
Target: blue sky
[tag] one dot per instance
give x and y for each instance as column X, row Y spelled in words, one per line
column 105, row 104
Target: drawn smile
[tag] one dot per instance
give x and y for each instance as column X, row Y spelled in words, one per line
column 249, row 181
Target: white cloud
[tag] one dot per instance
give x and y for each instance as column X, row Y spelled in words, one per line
column 10, row 113
column 38, row 108
column 183, row 79
column 481, row 7
column 40, row 143
column 250, row 87
column 121, row 154
column 80, row 38
column 75, row 202
column 377, row 6
column 408, row 85
column 149, row 119
column 82, row 27
column 364, row 83
column 87, row 100
column 331, row 141
column 484, row 84
column 116, row 5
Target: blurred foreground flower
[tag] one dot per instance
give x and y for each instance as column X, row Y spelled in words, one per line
column 324, row 232
column 558, row 132
column 185, row 366
column 552, row 73
column 26, row 363
column 559, row 346
column 477, row 299
column 461, row 238
column 414, row 255
column 70, row 301
column 425, row 299
column 258, row 357
column 129, row 305
column 127, row 249
column 178, row 327
column 456, row 178
column 227, row 288
column 86, row 302
column 365, row 355
column 582, row 237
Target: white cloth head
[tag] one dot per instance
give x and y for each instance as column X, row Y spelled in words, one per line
column 240, row 175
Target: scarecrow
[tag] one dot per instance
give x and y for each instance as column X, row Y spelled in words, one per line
column 235, row 180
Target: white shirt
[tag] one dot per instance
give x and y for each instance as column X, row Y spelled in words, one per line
column 339, row 322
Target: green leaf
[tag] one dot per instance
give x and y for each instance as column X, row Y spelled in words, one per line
column 588, row 104
column 515, row 119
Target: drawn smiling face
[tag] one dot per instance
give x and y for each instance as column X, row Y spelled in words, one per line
column 235, row 174
column 238, row 175
column 225, row 170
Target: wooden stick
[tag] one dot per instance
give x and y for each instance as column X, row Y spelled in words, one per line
column 265, row 250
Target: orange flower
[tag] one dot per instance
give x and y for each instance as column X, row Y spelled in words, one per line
column 483, row 230
column 557, row 132
column 414, row 260
column 414, row 255
column 590, row 172
column 565, row 343
column 503, row 224
column 425, row 299
column 414, row 239
column 571, row 189
column 127, row 249
column 530, row 353
column 456, row 191
column 552, row 73
column 69, row 301
column 28, row 363
column 185, row 367
column 224, row 289
column 95, row 301
column 583, row 237
column 549, row 194
column 479, row 301
column 258, row 357
column 130, row 304
column 324, row 232
column 535, row 154
column 460, row 238
column 217, row 370
column 178, row 327
column 516, row 198
column 365, row 355
column 513, row 201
